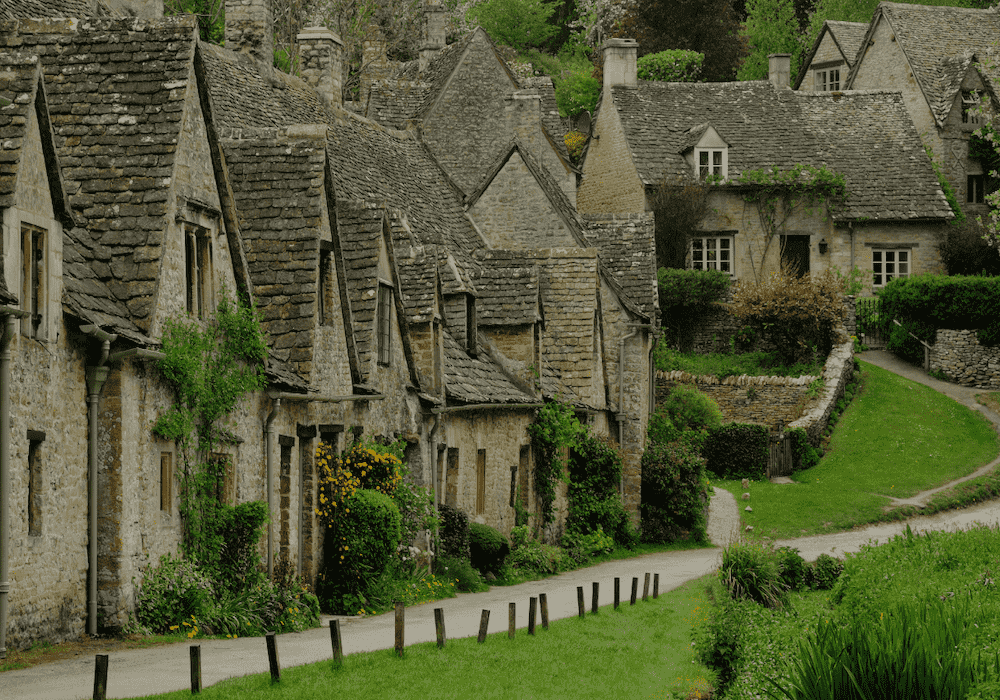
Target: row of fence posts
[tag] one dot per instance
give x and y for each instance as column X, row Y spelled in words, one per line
column 541, row 602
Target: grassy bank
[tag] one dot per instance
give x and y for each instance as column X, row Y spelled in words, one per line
column 897, row 438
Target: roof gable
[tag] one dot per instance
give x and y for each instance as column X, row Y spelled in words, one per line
column 847, row 37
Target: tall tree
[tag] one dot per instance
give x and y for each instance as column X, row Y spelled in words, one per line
column 771, row 27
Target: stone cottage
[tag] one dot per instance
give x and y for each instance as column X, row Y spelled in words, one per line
column 650, row 133
column 943, row 61
column 825, row 67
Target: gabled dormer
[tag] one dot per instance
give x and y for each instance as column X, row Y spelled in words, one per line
column 707, row 153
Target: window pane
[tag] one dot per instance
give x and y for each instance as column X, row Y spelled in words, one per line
column 703, row 158
column 717, row 158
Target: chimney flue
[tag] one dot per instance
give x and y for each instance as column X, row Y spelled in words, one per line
column 250, row 28
column 620, row 57
column 321, row 53
column 779, row 69
column 435, row 32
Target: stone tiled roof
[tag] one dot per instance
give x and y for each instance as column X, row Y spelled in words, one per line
column 867, row 136
column 474, row 380
column 18, row 82
column 551, row 120
column 849, row 37
column 277, row 182
column 360, row 229
column 117, row 130
column 931, row 37
column 508, row 293
column 14, row 9
column 418, row 282
column 627, row 249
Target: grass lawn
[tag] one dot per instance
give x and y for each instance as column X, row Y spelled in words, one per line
column 897, row 438
column 635, row 652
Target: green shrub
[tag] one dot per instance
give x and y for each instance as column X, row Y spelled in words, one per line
column 454, row 532
column 171, row 592
column 794, row 569
column 241, row 528
column 672, row 65
column 690, row 409
column 488, row 547
column 466, row 577
column 588, row 512
column 804, row 455
column 581, row 548
column 530, row 555
column 824, row 572
column 750, row 570
column 515, row 23
column 674, row 493
column 737, row 451
column 595, row 471
column 691, row 288
column 719, row 640
column 577, row 92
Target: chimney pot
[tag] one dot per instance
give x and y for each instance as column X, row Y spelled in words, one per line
column 779, row 69
column 620, row 57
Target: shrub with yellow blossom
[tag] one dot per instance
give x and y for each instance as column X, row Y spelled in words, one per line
column 365, row 465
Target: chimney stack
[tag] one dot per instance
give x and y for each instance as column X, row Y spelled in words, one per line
column 250, row 28
column 620, row 62
column 779, row 69
column 434, row 32
column 321, row 53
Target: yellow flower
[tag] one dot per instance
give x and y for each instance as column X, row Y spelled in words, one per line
column 174, row 627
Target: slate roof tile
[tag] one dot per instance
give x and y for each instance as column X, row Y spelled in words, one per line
column 474, row 380
column 508, row 293
column 14, row 9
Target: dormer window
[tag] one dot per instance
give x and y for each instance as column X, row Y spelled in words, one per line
column 970, row 100
column 712, row 161
column 200, row 275
column 827, row 80
column 34, row 297
column 471, row 325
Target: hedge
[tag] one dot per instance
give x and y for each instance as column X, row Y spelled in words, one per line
column 737, row 451
column 674, row 493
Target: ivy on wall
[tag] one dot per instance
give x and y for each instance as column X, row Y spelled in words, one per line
column 555, row 431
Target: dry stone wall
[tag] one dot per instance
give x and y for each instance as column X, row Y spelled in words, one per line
column 745, row 399
column 959, row 355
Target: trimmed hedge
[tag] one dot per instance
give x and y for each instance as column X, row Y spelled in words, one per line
column 737, row 451
column 454, row 531
column 488, row 547
column 925, row 303
column 804, row 455
column 674, row 493
column 595, row 470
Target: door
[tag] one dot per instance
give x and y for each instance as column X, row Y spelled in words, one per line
column 795, row 254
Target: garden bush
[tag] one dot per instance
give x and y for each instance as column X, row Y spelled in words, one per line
column 595, row 471
column 718, row 641
column 488, row 548
column 793, row 568
column 466, row 577
column 684, row 408
column 172, row 591
column 241, row 528
column 751, row 571
column 737, row 451
column 533, row 556
column 824, row 572
column 674, row 493
column 672, row 65
column 454, row 532
column 581, row 548
column 804, row 455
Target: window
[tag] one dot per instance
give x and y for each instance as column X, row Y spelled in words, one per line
column 166, row 481
column 712, row 253
column 384, row 323
column 712, row 161
column 35, row 486
column 827, row 80
column 225, row 477
column 199, row 275
column 471, row 325
column 480, row 482
column 887, row 265
column 974, row 193
column 33, row 293
column 326, row 283
column 970, row 100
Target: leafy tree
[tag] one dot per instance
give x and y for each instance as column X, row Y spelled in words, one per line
column 770, row 27
column 672, row 66
column 679, row 206
column 577, row 92
column 517, row 23
column 211, row 16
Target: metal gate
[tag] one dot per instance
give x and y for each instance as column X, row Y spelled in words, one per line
column 871, row 326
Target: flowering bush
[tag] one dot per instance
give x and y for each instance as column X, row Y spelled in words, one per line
column 363, row 466
column 575, row 141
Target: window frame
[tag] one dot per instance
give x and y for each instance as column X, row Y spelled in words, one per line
column 970, row 100
column 823, row 78
column 885, row 276
column 199, row 270
column 34, row 278
column 383, row 323
column 720, row 168
column 325, row 291
column 692, row 263
column 975, row 189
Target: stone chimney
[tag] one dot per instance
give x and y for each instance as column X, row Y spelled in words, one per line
column 620, row 62
column 321, row 55
column 523, row 112
column 779, row 69
column 434, row 32
column 374, row 60
column 250, row 28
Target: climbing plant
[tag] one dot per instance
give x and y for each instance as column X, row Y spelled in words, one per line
column 209, row 365
column 556, row 430
column 777, row 194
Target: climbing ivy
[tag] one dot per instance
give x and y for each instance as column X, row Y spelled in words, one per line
column 209, row 365
column 949, row 193
column 776, row 194
column 556, row 429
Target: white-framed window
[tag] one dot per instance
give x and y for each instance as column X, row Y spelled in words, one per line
column 34, row 293
column 975, row 192
column 889, row 264
column 711, row 253
column 970, row 100
column 199, row 271
column 711, row 161
column 383, row 325
column 827, row 80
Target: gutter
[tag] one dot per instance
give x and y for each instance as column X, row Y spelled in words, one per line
column 11, row 315
column 271, row 433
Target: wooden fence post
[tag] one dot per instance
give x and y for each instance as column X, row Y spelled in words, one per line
column 635, row 588
column 532, row 604
column 338, row 647
column 100, row 677
column 645, row 588
column 593, row 599
column 272, row 657
column 439, row 626
column 579, row 600
column 511, row 620
column 195, row 669
column 656, row 586
column 399, row 628
column 543, row 603
column 484, row 622
column 618, row 588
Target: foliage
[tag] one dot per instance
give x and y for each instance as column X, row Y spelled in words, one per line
column 488, row 547
column 762, row 363
column 454, row 532
column 750, row 571
column 685, row 297
column 924, row 303
column 515, row 23
column 737, row 451
column 719, row 640
column 689, row 409
column 777, row 195
column 581, row 547
column 595, row 472
column 804, row 455
column 541, row 559
column 467, row 577
column 793, row 569
column 797, row 314
column 241, row 528
column 577, row 92
column 416, row 511
column 672, row 66
column 382, row 593
column 674, row 493
column 554, row 430
column 770, row 27
column 575, row 142
column 964, row 250
column 949, row 193
column 824, row 572
column 854, row 281
column 211, row 16
column 679, row 205
column 173, row 591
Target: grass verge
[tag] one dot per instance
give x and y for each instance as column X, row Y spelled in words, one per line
column 897, row 438
column 720, row 364
column 641, row 651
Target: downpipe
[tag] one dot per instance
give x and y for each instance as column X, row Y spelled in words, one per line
column 10, row 328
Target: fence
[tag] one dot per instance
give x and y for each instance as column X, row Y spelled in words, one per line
column 540, row 603
column 871, row 329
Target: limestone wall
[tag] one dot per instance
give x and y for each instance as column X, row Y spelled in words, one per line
column 745, row 399
column 959, row 355
column 837, row 373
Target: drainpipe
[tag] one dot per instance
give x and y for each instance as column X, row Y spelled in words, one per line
column 96, row 376
column 10, row 328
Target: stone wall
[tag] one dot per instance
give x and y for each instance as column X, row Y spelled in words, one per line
column 745, row 399
column 610, row 182
column 837, row 373
column 959, row 355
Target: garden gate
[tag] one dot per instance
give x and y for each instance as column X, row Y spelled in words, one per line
column 779, row 456
column 868, row 317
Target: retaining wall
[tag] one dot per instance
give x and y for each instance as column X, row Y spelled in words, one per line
column 959, row 355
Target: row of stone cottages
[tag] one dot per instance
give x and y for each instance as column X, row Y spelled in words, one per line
column 404, row 294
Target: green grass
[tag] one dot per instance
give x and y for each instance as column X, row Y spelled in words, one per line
column 897, row 438
column 635, row 652
column 754, row 364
